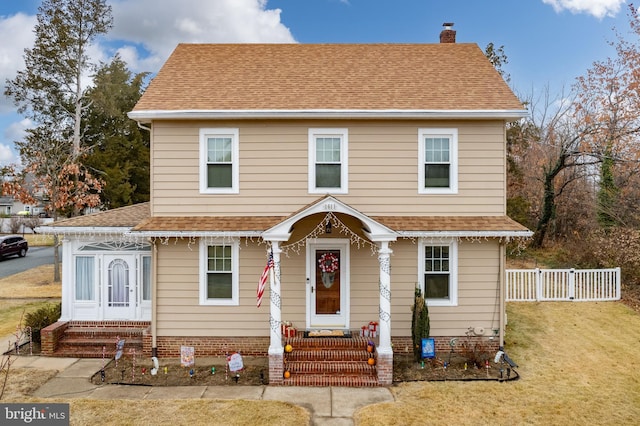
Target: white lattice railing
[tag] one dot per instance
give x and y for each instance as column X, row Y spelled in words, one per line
column 562, row 284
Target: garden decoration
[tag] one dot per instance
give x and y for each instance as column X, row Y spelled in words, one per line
column 191, row 373
column 30, row 335
column 235, row 364
column 452, row 344
column 187, row 356
column 133, row 364
column 102, row 372
column 154, row 370
column 328, row 264
column 502, row 357
column 119, row 349
column 213, row 370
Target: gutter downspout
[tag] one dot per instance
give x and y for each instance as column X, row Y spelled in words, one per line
column 503, row 312
column 143, row 127
column 154, row 299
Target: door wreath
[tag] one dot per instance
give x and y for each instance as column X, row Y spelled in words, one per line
column 328, row 264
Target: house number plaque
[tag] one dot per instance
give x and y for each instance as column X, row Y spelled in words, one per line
column 330, row 206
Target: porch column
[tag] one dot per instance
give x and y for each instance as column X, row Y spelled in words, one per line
column 384, row 345
column 275, row 314
column 276, row 351
column 385, row 351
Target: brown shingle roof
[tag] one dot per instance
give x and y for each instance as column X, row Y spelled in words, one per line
column 450, row 223
column 262, row 223
column 125, row 217
column 209, row 223
column 236, row 77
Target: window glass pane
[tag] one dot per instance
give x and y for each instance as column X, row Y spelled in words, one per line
column 436, row 150
column 219, row 175
column 436, row 175
column 84, row 277
column 219, row 150
column 328, row 176
column 146, row 278
column 219, row 258
column 328, row 150
column 219, row 286
column 436, row 286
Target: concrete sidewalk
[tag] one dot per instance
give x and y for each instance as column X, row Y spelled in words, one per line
column 327, row 405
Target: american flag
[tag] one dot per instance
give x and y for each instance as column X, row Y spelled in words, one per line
column 263, row 278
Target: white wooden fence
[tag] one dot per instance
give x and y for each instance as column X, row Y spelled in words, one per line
column 562, row 284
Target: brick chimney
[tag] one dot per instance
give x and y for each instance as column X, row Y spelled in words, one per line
column 448, row 35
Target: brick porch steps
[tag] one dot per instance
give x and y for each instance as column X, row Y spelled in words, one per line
column 88, row 342
column 329, row 361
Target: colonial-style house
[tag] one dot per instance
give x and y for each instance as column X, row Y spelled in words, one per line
column 364, row 170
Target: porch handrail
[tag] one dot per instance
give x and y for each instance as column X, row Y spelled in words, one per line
column 584, row 285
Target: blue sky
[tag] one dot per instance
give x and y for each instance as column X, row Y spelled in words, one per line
column 547, row 42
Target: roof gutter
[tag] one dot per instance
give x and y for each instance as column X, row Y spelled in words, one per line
column 194, row 234
column 74, row 230
column 148, row 115
column 466, row 234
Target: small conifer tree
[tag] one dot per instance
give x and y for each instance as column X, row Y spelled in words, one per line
column 419, row 323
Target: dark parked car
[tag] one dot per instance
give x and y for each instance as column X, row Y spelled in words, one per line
column 13, row 244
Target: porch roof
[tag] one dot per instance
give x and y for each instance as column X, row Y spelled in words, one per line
column 108, row 221
column 409, row 226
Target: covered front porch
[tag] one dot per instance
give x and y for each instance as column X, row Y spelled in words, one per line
column 324, row 233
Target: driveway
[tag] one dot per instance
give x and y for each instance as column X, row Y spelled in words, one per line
column 36, row 256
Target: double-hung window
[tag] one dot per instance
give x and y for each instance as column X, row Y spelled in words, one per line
column 438, row 161
column 219, row 273
column 219, row 168
column 328, row 165
column 439, row 272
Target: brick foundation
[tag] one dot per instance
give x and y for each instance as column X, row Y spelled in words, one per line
column 404, row 345
column 169, row 347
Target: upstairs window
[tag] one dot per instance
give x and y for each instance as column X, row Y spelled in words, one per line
column 219, row 168
column 328, row 161
column 438, row 156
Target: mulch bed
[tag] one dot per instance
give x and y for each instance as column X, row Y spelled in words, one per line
column 256, row 372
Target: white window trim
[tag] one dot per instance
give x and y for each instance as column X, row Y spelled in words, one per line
column 453, row 156
column 453, row 270
column 235, row 282
column 343, row 134
column 235, row 160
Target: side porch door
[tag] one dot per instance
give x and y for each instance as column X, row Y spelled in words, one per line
column 328, row 289
column 119, row 286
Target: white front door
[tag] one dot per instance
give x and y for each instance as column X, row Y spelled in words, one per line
column 120, row 290
column 328, row 292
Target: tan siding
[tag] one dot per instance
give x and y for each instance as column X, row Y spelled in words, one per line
column 382, row 169
column 179, row 312
column 478, row 268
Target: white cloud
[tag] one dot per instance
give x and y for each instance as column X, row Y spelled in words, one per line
column 16, row 31
column 597, row 8
column 151, row 31
column 16, row 130
column 6, row 155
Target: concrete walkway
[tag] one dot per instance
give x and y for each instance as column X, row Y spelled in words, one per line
column 327, row 405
